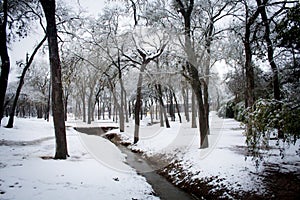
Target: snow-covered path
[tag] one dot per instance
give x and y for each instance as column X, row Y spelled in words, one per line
column 25, row 175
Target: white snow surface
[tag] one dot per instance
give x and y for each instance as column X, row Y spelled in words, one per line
column 84, row 175
column 226, row 159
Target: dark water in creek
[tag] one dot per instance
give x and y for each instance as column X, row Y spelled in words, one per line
column 162, row 188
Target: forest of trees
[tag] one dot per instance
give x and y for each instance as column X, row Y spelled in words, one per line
column 161, row 58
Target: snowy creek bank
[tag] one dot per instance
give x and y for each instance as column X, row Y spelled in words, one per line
column 223, row 171
column 161, row 186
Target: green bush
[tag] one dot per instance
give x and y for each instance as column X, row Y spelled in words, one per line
column 232, row 110
column 272, row 118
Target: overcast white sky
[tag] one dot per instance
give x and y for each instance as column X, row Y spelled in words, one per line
column 19, row 49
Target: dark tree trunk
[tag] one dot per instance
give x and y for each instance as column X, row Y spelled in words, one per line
column 39, row 110
column 206, row 102
column 161, row 116
column 145, row 62
column 186, row 10
column 249, row 70
column 10, row 123
column 196, row 85
column 162, row 106
column 129, row 108
column 249, row 93
column 270, row 49
column 194, row 111
column 103, row 110
column 83, row 106
column 208, row 41
column 98, row 109
column 171, row 109
column 66, row 98
column 177, row 107
column 48, row 102
column 90, row 102
column 5, row 66
column 276, row 85
column 185, row 95
column 57, row 92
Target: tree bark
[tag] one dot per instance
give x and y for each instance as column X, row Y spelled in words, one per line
column 177, row 107
column 172, row 109
column 249, row 70
column 83, row 105
column 57, row 92
column 185, row 95
column 90, row 109
column 121, row 108
column 162, row 106
column 186, row 10
column 137, row 107
column 208, row 41
column 270, row 49
column 194, row 111
column 5, row 62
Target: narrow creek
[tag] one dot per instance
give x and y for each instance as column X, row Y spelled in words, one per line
column 163, row 188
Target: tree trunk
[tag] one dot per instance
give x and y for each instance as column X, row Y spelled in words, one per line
column 208, row 41
column 171, row 109
column 57, row 92
column 249, row 93
column 193, row 77
column 123, row 103
column 185, row 95
column 126, row 108
column 103, row 110
column 162, row 106
column 98, row 109
column 48, row 102
column 194, row 111
column 129, row 108
column 89, row 121
column 121, row 110
column 83, row 106
column 270, row 49
column 156, row 110
column 196, row 85
column 206, row 102
column 177, row 107
column 5, row 62
column 66, row 106
column 137, row 107
column 161, row 116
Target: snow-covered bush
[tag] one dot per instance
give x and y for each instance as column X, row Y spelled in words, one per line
column 227, row 110
column 268, row 119
column 239, row 111
column 232, row 110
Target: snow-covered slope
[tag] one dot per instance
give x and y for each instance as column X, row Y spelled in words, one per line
column 25, row 175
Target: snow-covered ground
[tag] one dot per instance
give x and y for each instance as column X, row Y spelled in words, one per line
column 225, row 163
column 96, row 168
column 85, row 175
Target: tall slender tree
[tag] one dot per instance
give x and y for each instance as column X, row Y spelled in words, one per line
column 57, row 92
column 5, row 62
column 185, row 8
